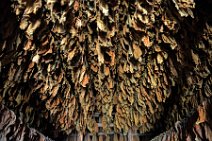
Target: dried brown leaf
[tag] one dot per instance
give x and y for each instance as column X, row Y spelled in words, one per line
column 159, row 59
column 71, row 54
column 136, row 51
column 85, row 80
column 146, row 41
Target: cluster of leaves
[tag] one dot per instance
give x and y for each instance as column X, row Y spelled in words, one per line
column 196, row 127
column 12, row 128
column 131, row 61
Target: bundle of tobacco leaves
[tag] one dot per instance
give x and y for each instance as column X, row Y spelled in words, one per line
column 12, row 128
column 196, row 127
column 138, row 64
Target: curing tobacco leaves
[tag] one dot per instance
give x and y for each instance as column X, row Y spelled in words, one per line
column 138, row 64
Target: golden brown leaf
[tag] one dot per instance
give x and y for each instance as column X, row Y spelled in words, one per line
column 159, row 59
column 71, row 54
column 85, row 80
column 136, row 51
column 146, row 41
